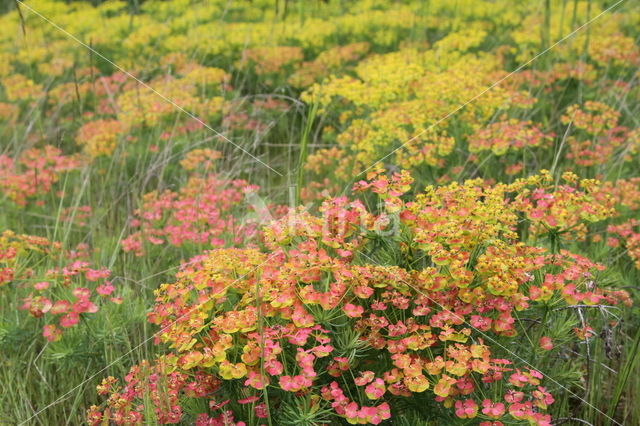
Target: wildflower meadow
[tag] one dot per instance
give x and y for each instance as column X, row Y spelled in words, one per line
column 320, row 212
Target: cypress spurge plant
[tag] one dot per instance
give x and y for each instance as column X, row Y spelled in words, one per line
column 311, row 327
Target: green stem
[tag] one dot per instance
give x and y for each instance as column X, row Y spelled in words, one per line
column 588, row 30
column 623, row 377
column 304, row 142
column 546, row 28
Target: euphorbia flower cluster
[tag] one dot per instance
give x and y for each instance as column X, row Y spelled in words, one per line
column 599, row 136
column 295, row 319
column 506, row 135
column 627, row 235
column 99, row 137
column 270, row 59
column 59, row 295
column 12, row 247
column 563, row 209
column 156, row 382
column 33, row 173
column 201, row 212
column 67, row 293
column 327, row 61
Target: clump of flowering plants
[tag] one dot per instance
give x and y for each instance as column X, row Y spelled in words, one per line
column 198, row 213
column 58, row 296
column 201, row 212
column 33, row 174
column 358, row 315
